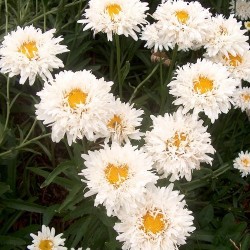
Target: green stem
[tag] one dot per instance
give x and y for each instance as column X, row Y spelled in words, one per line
column 7, row 104
column 189, row 186
column 118, row 63
column 44, row 17
column 68, row 149
column 172, row 63
column 31, row 129
column 22, row 145
column 145, row 80
column 36, row 7
column 162, row 89
column 6, row 17
column 165, row 92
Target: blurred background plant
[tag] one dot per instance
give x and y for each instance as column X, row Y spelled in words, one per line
column 39, row 182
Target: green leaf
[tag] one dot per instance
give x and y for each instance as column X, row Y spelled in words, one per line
column 58, row 170
column 125, row 70
column 4, row 188
column 13, row 241
column 58, row 180
column 203, row 235
column 49, row 213
column 245, row 242
column 206, row 215
column 70, row 197
column 23, row 205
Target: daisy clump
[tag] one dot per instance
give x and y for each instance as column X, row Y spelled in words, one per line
column 179, row 149
column 47, row 240
column 123, row 123
column 160, row 222
column 117, row 176
column 119, row 17
column 204, row 87
column 242, row 163
column 29, row 52
column 75, row 104
column 180, row 23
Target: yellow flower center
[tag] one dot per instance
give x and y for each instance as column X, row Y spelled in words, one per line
column 246, row 97
column 116, row 175
column 75, row 97
column 115, row 121
column 29, row 49
column 182, row 16
column 153, row 222
column 247, row 25
column 233, row 60
column 113, row 9
column 245, row 162
column 177, row 139
column 203, row 85
column 223, row 30
column 46, row 245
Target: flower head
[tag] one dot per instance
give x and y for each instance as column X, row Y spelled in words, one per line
column 160, row 222
column 123, row 122
column 204, row 86
column 238, row 65
column 226, row 36
column 242, row 163
column 241, row 9
column 28, row 52
column 241, row 98
column 180, row 148
column 247, row 25
column 117, row 175
column 47, row 240
column 177, row 23
column 119, row 17
column 75, row 104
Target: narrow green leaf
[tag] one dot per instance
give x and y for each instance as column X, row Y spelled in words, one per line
column 245, row 244
column 58, row 180
column 13, row 241
column 23, row 205
column 75, row 189
column 203, row 235
column 4, row 188
column 125, row 70
column 58, row 170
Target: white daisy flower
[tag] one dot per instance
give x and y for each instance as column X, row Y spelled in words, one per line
column 115, row 17
column 247, row 25
column 160, row 222
column 238, row 65
column 240, row 8
column 241, row 98
column 242, row 163
column 47, row 240
column 28, row 52
column 117, row 175
column 178, row 22
column 226, row 36
column 180, row 148
column 123, row 122
column 204, row 86
column 75, row 104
